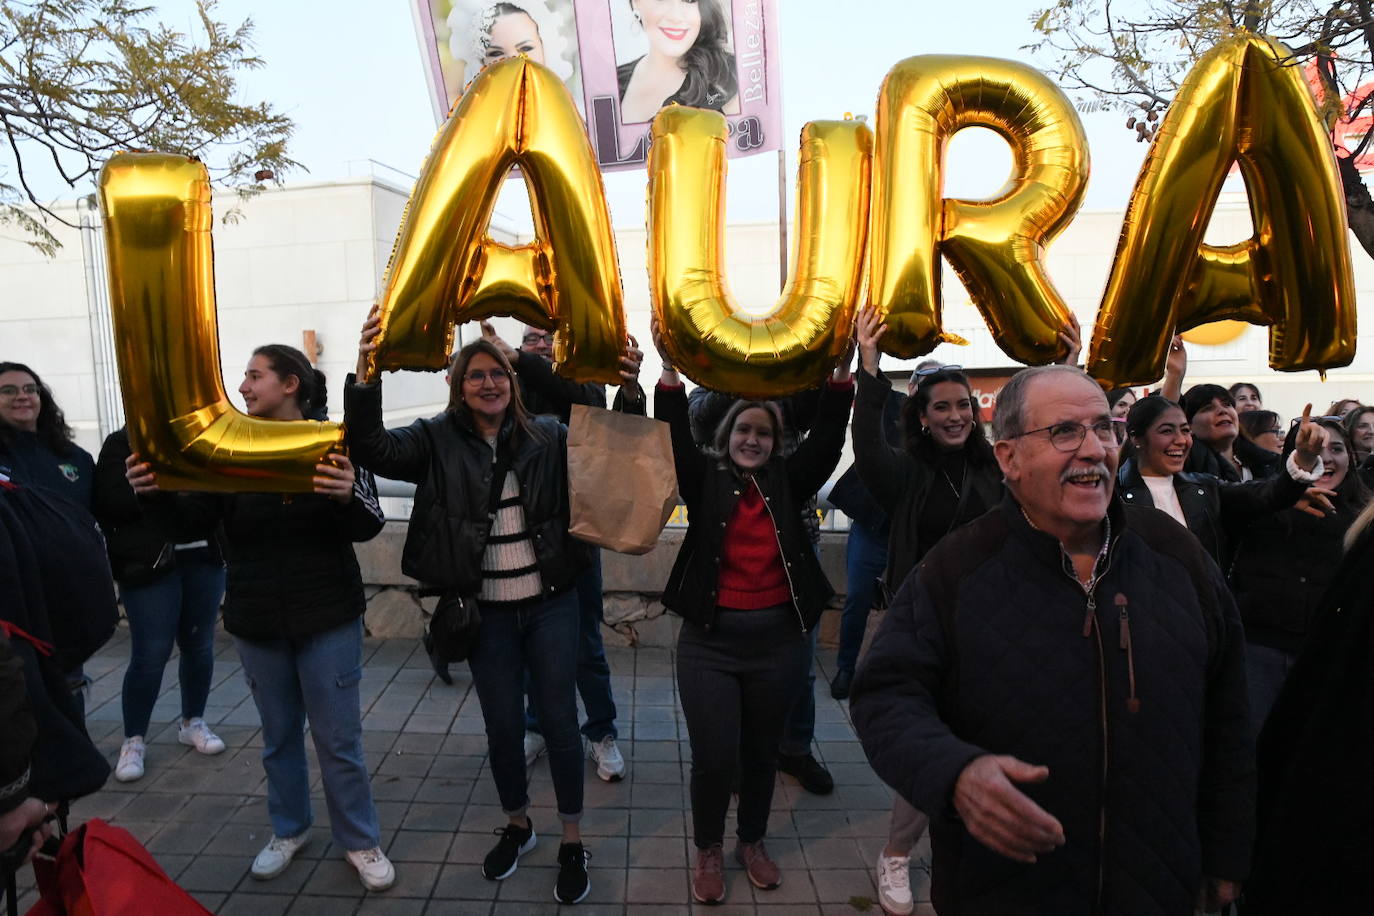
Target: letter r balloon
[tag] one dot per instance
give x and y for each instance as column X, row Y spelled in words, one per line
column 996, row 246
column 445, row 270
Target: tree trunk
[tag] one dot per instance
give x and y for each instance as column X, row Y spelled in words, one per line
column 1359, row 204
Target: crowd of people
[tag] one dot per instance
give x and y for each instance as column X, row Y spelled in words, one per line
column 1090, row 709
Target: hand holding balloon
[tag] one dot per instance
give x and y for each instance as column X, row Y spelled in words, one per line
column 868, row 330
column 335, row 479
column 367, row 342
column 489, row 334
column 630, row 362
column 140, row 475
column 669, row 376
column 1071, row 336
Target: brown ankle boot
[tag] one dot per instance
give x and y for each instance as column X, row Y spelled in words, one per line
column 708, row 877
column 763, row 874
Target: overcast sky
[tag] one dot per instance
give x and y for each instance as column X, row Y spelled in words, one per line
column 349, row 74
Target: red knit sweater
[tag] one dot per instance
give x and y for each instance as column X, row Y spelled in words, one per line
column 751, row 571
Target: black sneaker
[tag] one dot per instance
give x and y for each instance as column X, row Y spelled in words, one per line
column 573, row 883
column 839, row 687
column 514, row 843
column 808, row 771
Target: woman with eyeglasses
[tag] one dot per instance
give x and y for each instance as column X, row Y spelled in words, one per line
column 37, row 447
column 490, row 520
column 1284, row 562
column 943, row 476
column 1151, row 474
column 1261, row 428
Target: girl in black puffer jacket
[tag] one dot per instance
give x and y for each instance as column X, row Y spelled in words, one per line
column 1284, row 563
column 295, row 603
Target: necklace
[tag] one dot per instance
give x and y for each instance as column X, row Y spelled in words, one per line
column 945, row 475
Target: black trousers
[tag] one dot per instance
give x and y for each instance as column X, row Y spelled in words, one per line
column 736, row 683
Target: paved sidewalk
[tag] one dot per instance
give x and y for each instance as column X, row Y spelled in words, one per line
column 204, row 818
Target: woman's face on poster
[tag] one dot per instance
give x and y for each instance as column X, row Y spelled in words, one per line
column 671, row 26
column 512, row 34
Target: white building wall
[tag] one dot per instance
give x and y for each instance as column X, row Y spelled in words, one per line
column 312, row 257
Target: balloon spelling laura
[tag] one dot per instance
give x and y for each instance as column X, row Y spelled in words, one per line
column 707, row 336
column 445, row 270
column 157, row 217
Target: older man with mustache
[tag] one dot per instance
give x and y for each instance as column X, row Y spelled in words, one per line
column 1061, row 686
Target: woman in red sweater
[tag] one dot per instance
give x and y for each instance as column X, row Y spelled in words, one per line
column 749, row 589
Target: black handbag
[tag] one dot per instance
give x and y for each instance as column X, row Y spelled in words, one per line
column 452, row 629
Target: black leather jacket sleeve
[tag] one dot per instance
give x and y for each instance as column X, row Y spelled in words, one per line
column 884, row 468
column 554, row 390
column 670, row 405
column 810, row 466
column 402, row 453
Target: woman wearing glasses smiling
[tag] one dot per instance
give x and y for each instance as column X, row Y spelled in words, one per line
column 36, row 445
column 490, row 519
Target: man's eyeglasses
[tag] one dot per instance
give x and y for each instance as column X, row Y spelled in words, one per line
column 12, row 391
column 1068, row 436
column 533, row 338
column 479, row 376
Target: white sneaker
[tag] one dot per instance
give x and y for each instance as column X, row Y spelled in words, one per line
column 610, row 765
column 197, row 734
column 130, row 766
column 534, row 747
column 277, row 854
column 374, row 868
column 894, row 884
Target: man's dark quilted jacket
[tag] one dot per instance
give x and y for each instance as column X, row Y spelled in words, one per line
column 993, row 647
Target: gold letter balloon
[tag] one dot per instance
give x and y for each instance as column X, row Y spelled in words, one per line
column 704, row 330
column 445, row 270
column 997, row 246
column 1244, row 101
column 162, row 301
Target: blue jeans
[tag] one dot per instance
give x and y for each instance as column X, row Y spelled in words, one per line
column 313, row 678
column 540, row 636
column 593, row 671
column 180, row 607
column 865, row 559
column 1266, row 668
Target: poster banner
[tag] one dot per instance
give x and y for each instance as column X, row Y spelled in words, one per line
column 623, row 60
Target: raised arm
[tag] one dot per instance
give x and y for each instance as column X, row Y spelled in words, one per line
column 815, row 459
column 670, row 405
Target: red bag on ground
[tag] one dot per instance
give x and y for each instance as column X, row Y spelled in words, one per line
column 102, row 870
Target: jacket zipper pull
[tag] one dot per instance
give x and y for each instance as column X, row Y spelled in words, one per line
column 1132, row 701
column 1091, row 616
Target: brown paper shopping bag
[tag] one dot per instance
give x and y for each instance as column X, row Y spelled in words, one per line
column 621, row 483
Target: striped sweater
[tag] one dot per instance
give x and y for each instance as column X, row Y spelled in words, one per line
column 510, row 572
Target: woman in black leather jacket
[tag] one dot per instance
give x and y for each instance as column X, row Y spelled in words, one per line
column 749, row 587
column 490, row 520
column 1283, row 565
column 1151, row 474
